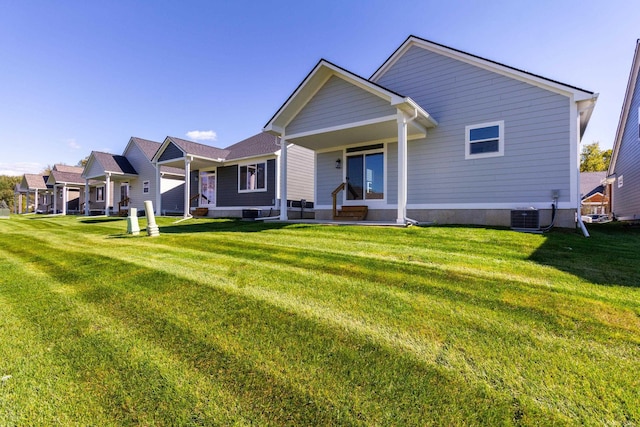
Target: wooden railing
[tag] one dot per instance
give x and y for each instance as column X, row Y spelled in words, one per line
column 334, row 195
column 123, row 202
column 195, row 197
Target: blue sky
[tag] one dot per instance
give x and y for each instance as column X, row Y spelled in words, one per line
column 77, row 76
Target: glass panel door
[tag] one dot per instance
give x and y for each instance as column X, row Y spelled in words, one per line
column 365, row 177
column 207, row 189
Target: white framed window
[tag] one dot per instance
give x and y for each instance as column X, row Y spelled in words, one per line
column 99, row 194
column 484, row 140
column 252, row 177
column 145, row 186
column 620, row 182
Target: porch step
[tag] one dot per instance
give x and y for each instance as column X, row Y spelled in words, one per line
column 352, row 213
column 200, row 211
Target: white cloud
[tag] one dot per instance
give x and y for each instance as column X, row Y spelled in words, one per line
column 202, row 135
column 73, row 144
column 20, row 168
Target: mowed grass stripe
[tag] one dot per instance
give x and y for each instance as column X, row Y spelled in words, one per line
column 516, row 343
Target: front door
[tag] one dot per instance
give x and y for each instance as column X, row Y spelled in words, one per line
column 207, row 189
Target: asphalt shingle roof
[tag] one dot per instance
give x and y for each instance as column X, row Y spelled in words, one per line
column 35, row 181
column 197, row 149
column 256, row 145
column 590, row 183
column 114, row 163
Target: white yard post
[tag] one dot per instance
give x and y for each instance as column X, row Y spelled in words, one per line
column 152, row 228
column 132, row 222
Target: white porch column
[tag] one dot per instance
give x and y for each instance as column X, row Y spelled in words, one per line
column 403, row 120
column 107, row 194
column 55, row 198
column 87, row 196
column 65, row 198
column 187, row 187
column 35, row 202
column 158, row 190
column 284, row 216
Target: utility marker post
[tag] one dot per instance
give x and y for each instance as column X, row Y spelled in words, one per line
column 152, row 227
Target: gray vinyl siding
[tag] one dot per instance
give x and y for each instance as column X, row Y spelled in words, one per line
column 626, row 200
column 171, row 152
column 146, row 172
column 300, row 173
column 536, row 125
column 173, row 199
column 95, row 170
column 227, row 188
column 330, row 177
column 338, row 103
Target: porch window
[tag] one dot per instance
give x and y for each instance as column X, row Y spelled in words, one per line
column 99, row 194
column 365, row 174
column 484, row 140
column 252, row 177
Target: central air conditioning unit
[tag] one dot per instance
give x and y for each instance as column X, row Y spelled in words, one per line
column 525, row 219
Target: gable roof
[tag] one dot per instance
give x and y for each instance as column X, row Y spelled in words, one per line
column 195, row 149
column 591, row 183
column 585, row 99
column 60, row 177
column 316, row 79
column 148, row 147
column 626, row 107
column 478, row 61
column 68, row 169
column 114, row 163
column 256, row 145
column 32, row 181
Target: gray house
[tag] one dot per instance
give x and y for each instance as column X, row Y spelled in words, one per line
column 117, row 182
column 437, row 134
column 38, row 195
column 66, row 184
column 226, row 182
column 624, row 169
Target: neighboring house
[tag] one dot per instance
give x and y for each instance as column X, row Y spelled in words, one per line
column 114, row 183
column 437, row 134
column 38, row 195
column 624, row 169
column 66, row 184
column 243, row 176
column 594, row 193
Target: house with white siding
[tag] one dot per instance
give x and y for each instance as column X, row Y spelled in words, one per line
column 624, row 169
column 114, row 183
column 245, row 176
column 438, row 135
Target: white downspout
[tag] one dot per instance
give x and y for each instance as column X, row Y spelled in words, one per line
column 187, row 188
column 403, row 122
column 283, row 179
column 65, row 198
column 107, row 194
column 158, row 190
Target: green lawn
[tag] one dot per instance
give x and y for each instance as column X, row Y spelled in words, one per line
column 219, row 322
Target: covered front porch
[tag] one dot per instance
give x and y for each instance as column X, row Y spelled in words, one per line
column 359, row 132
column 199, row 163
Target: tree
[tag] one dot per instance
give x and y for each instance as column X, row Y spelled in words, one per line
column 83, row 162
column 7, row 185
column 593, row 159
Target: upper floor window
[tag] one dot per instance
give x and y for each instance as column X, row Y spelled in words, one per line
column 484, row 140
column 252, row 177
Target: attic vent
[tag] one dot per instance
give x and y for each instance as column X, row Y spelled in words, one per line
column 525, row 219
